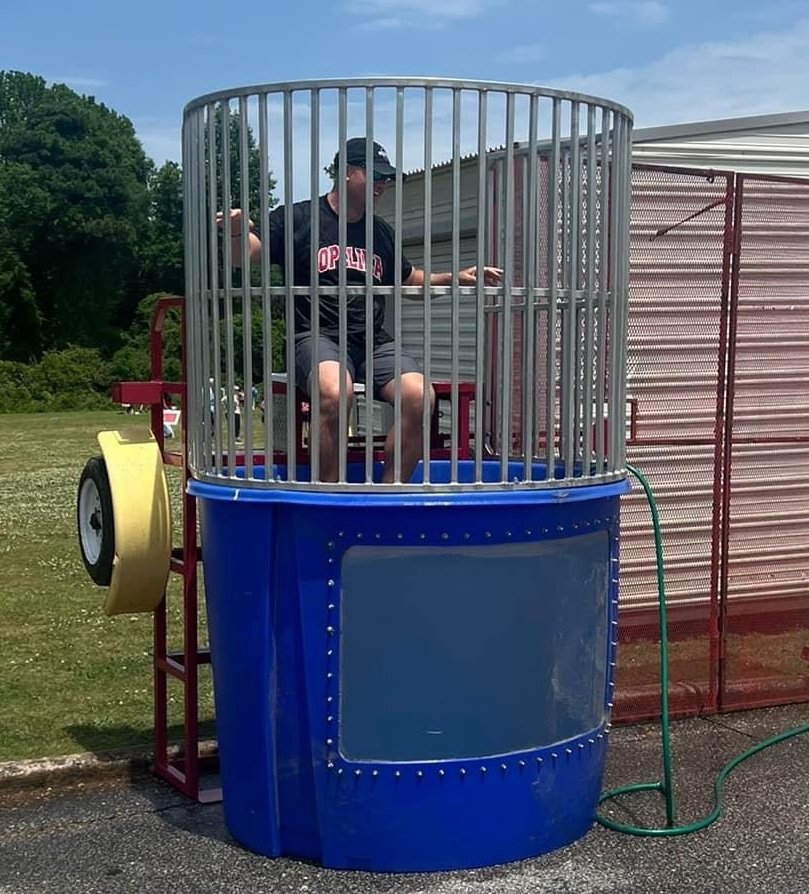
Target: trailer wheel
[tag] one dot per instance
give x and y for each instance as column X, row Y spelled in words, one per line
column 94, row 519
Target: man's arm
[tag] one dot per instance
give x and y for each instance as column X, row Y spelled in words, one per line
column 254, row 243
column 492, row 276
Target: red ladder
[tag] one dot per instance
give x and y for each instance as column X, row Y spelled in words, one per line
column 182, row 768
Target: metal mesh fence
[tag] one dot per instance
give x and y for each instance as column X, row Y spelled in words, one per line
column 764, row 592
column 678, row 287
column 718, row 358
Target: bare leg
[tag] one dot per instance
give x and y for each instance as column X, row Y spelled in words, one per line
column 329, row 376
column 412, row 424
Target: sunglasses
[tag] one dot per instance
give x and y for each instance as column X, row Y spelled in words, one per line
column 378, row 177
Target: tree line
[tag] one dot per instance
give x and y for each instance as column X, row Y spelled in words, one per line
column 91, row 233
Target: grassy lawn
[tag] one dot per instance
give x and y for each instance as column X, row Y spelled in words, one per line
column 71, row 679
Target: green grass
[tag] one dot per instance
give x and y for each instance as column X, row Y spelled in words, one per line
column 71, row 679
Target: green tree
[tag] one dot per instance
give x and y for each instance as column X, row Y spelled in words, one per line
column 72, row 379
column 89, row 225
column 131, row 362
column 161, row 254
column 161, row 250
column 257, row 343
column 73, row 208
column 20, row 335
column 234, row 161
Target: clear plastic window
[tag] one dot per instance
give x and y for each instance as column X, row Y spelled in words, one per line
column 458, row 652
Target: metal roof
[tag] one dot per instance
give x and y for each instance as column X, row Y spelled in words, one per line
column 762, row 144
column 758, row 144
column 695, row 129
column 447, row 163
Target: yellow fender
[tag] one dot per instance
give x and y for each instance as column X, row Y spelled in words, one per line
column 142, row 520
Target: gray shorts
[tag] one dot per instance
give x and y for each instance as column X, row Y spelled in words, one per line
column 384, row 361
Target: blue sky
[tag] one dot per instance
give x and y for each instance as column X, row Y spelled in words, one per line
column 670, row 61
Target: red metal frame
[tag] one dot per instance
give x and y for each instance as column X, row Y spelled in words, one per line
column 639, row 703
column 724, row 374
column 723, row 690
column 770, row 614
column 181, row 770
column 722, row 618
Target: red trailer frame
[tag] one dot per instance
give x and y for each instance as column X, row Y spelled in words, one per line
column 183, row 768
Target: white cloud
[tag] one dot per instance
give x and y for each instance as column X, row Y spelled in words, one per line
column 760, row 74
column 385, row 15
column 644, row 12
column 385, row 24
column 531, row 52
column 763, row 73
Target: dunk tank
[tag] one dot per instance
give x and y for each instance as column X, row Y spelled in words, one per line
column 413, row 673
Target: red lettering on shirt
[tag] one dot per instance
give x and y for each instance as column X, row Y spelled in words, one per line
column 356, row 259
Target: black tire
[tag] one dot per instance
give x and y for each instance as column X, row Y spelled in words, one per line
column 94, row 521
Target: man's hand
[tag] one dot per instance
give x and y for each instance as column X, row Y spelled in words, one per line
column 492, row 276
column 236, row 220
column 236, row 232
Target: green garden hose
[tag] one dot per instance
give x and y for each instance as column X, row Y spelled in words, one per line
column 666, row 785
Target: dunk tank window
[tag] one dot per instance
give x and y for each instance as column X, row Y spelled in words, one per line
column 457, row 652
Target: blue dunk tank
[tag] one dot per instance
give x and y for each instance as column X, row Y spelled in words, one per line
column 412, row 588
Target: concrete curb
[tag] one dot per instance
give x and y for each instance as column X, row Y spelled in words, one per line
column 88, row 768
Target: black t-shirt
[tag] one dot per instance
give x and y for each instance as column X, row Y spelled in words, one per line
column 328, row 255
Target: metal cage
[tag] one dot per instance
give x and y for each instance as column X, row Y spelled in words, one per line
column 527, row 374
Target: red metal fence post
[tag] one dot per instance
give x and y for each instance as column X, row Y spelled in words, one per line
column 728, row 446
column 720, row 434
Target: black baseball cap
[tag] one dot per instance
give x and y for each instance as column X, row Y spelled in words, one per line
column 356, row 150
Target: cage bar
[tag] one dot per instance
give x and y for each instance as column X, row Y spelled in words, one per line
column 528, row 370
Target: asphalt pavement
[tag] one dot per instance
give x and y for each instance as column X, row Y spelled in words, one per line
column 81, row 835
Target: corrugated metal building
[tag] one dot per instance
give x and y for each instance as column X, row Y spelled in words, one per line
column 718, row 372
column 764, row 144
